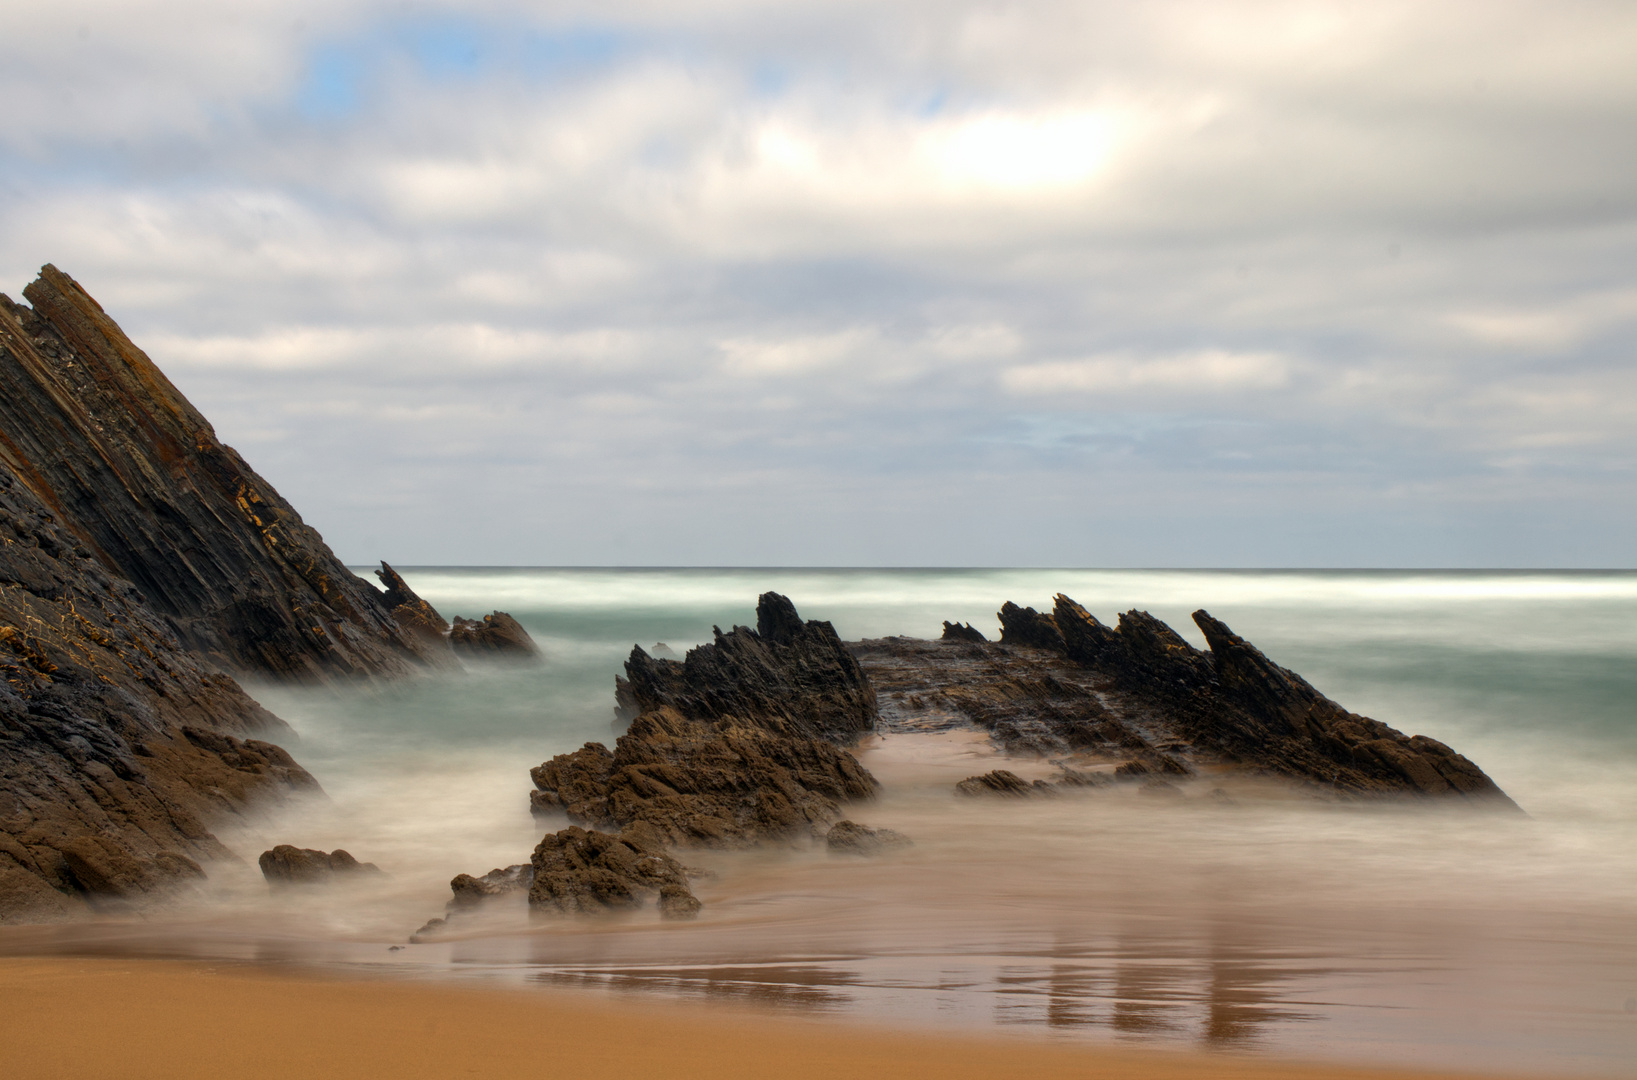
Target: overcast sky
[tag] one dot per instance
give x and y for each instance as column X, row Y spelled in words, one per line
column 832, row 283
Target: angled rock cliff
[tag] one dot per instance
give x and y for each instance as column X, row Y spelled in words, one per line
column 128, row 466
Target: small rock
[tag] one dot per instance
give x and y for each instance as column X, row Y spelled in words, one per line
column 290, row 865
column 851, row 838
column 999, row 782
column 962, row 632
column 497, row 635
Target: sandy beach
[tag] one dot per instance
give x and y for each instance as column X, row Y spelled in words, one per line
column 136, row 1019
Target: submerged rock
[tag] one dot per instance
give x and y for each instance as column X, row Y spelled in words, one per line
column 851, row 838
column 496, row 635
column 290, row 865
column 998, row 782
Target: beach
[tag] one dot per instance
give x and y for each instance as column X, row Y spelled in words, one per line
column 184, row 1021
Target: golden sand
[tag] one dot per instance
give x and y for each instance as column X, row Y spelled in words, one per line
column 95, row 1018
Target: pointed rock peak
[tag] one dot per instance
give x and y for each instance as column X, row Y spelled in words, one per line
column 776, row 619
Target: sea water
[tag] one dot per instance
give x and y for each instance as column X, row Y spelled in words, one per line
column 1402, row 934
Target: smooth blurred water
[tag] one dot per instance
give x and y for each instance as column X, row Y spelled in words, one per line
column 1387, row 933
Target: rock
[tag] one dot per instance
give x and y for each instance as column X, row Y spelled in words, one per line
column 1139, row 694
column 851, row 838
column 497, row 635
column 787, row 676
column 999, row 782
column 289, row 865
column 720, row 783
column 963, row 632
column 663, row 651
column 411, row 612
column 138, row 480
column 1026, row 626
column 102, row 867
column 580, row 872
column 470, row 892
column 117, row 745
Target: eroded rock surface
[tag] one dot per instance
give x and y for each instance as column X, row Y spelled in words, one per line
column 116, row 744
column 1064, row 683
column 581, row 872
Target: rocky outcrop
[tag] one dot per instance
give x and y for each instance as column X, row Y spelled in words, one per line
column 998, row 782
column 851, row 838
column 577, row 872
column 788, row 676
column 116, row 744
column 290, row 865
column 497, row 635
column 1138, row 693
column 742, row 741
column 963, row 632
column 715, row 783
column 137, row 478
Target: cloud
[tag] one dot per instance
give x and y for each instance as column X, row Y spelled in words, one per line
column 867, row 283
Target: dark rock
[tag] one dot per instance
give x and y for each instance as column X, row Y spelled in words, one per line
column 470, row 892
column 715, row 783
column 138, row 480
column 787, row 676
column 1138, row 693
column 999, row 782
column 116, row 744
column 580, row 872
column 497, row 635
column 289, row 865
column 1026, row 626
column 851, row 838
column 411, row 612
column 962, row 632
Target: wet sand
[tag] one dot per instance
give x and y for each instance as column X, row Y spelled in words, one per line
column 136, row 1019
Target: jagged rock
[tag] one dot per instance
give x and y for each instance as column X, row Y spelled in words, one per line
column 290, row 865
column 733, row 745
column 663, row 651
column 497, row 635
column 411, row 612
column 116, row 744
column 580, row 872
column 1026, row 626
column 998, row 782
column 963, row 632
column 138, row 479
column 1140, row 694
column 851, row 838
column 787, row 676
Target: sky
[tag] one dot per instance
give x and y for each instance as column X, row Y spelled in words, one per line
column 740, row 282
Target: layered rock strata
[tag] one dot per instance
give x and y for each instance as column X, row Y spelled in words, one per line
column 116, row 744
column 1063, row 683
column 137, row 476
column 496, row 635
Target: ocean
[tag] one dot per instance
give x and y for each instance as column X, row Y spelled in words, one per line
column 1395, row 934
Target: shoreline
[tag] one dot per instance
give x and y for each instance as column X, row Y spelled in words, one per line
column 83, row 1016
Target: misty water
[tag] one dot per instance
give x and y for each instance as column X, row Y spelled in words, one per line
column 1395, row 933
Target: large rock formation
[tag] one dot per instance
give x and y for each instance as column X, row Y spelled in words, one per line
column 1065, row 683
column 138, row 478
column 116, row 744
column 741, row 741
